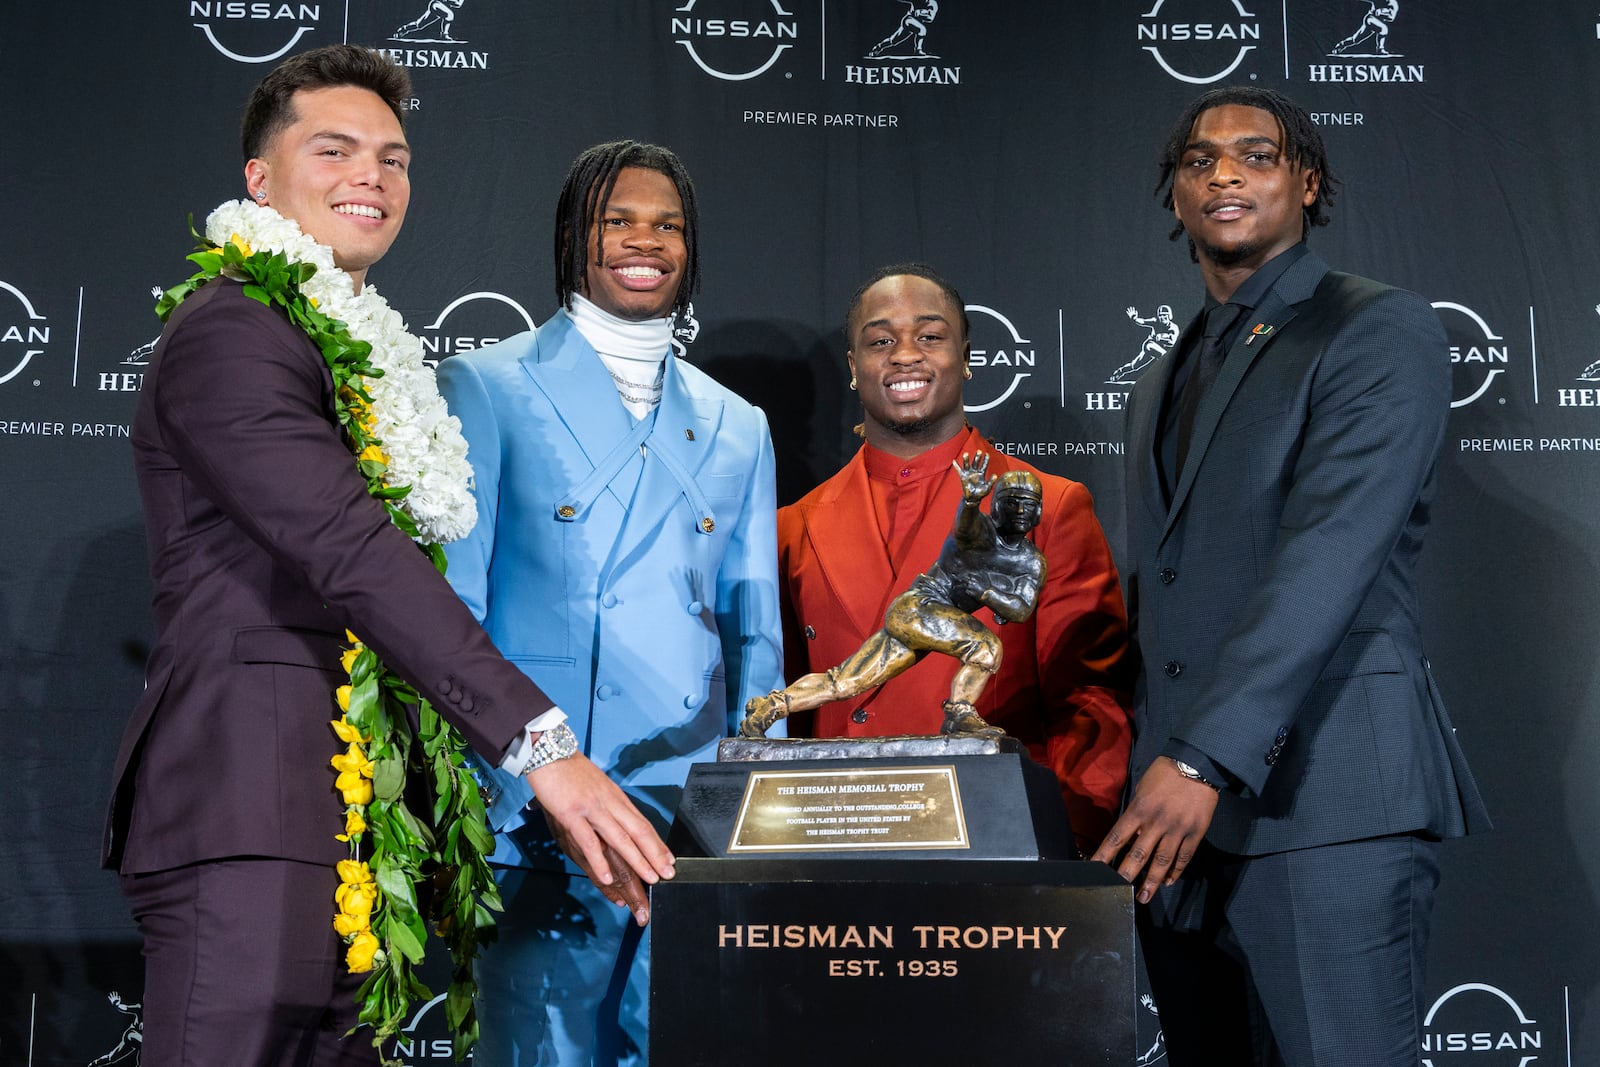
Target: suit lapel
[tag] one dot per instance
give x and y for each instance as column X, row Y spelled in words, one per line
column 851, row 558
column 1263, row 326
column 1151, row 390
column 566, row 369
column 679, row 444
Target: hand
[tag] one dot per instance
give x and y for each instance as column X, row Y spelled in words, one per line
column 1133, row 313
column 974, row 486
column 596, row 825
column 1157, row 836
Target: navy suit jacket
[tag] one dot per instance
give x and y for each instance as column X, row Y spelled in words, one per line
column 1274, row 596
column 264, row 548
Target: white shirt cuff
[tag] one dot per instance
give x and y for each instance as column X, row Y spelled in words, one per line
column 517, row 755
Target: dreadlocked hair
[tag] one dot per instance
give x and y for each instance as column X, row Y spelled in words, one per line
column 588, row 189
column 1302, row 146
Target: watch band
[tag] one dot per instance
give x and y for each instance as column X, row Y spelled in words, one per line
column 1193, row 774
column 556, row 743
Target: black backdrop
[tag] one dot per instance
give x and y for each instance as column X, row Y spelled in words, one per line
column 1017, row 156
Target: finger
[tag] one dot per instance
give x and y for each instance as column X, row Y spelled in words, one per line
column 629, row 890
column 591, row 853
column 633, row 843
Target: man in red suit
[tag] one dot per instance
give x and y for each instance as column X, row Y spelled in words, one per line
column 265, row 548
column 852, row 545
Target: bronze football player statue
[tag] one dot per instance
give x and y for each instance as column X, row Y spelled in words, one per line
column 987, row 562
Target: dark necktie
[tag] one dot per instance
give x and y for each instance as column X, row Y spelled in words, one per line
column 1207, row 365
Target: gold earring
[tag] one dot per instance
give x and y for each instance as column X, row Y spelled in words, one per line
column 966, row 372
column 852, row 383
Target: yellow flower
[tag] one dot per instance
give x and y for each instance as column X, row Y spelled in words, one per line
column 363, row 948
column 240, row 243
column 354, row 824
column 347, row 733
column 347, row 659
column 353, row 872
column 345, row 925
column 342, row 695
column 358, row 791
column 357, row 900
column 374, row 453
column 355, row 772
column 352, row 761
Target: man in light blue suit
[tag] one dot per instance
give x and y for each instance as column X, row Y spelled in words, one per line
column 625, row 557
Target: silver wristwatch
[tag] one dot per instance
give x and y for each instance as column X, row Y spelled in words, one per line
column 556, row 743
column 1193, row 774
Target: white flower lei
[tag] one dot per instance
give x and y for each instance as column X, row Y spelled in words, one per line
column 422, row 441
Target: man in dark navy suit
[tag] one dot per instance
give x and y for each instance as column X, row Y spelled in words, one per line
column 1294, row 766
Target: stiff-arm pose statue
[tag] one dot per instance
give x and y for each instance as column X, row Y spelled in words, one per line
column 988, row 562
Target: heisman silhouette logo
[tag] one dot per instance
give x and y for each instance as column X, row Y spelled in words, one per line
column 1369, row 40
column 685, row 328
column 1161, row 333
column 263, row 24
column 1591, row 373
column 734, row 49
column 129, row 1046
column 433, row 26
column 908, row 39
column 1372, row 36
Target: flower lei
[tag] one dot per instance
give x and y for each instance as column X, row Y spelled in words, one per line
column 423, row 866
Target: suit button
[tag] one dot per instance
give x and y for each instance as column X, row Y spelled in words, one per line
column 811, row 634
column 694, row 607
column 1173, row 668
column 708, row 524
column 1167, row 574
column 691, row 702
column 604, row 692
column 566, row 511
column 859, row 715
column 688, row 435
column 609, row 600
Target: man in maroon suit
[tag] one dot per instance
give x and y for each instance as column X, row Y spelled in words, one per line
column 265, row 547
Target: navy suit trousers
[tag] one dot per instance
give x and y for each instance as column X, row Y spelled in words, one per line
column 1294, row 959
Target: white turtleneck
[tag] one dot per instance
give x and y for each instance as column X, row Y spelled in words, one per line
column 634, row 353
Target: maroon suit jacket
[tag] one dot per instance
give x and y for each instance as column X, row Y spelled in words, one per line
column 264, row 547
column 1065, row 674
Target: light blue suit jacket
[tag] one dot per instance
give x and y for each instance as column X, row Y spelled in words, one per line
column 629, row 568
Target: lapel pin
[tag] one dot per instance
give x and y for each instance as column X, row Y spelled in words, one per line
column 1261, row 329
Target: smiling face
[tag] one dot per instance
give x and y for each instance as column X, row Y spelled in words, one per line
column 1237, row 196
column 340, row 170
column 637, row 252
column 908, row 356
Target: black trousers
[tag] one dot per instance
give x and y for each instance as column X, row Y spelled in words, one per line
column 1311, row 958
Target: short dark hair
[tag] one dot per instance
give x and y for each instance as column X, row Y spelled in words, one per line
column 584, row 196
column 270, row 109
column 1302, row 144
column 916, row 270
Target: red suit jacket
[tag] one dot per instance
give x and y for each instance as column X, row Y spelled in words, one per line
column 264, row 547
column 1065, row 674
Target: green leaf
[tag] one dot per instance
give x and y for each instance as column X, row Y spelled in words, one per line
column 388, row 778
column 405, row 939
